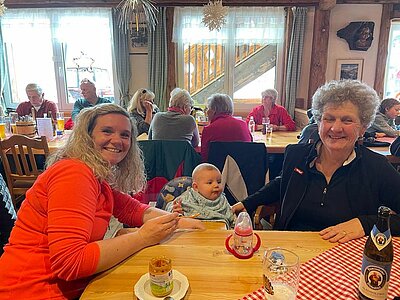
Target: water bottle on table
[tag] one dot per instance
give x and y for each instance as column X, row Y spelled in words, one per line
column 252, row 125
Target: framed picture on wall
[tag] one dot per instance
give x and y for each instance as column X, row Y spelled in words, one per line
column 349, row 69
column 138, row 38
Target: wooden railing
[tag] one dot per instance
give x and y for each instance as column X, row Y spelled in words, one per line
column 204, row 63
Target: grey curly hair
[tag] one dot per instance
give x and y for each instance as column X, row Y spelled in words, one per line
column 337, row 92
column 129, row 173
column 180, row 98
column 220, row 104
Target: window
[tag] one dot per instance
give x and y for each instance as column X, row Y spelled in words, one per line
column 239, row 60
column 56, row 48
column 392, row 78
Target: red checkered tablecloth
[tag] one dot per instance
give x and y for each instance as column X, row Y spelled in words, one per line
column 335, row 273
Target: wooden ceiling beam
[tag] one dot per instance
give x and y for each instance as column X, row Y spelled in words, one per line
column 113, row 3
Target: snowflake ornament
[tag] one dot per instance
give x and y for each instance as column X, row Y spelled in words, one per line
column 214, row 15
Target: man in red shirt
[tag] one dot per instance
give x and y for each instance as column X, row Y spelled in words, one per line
column 36, row 100
column 278, row 116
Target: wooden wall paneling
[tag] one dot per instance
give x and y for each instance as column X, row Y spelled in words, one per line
column 381, row 58
column 171, row 50
column 319, row 52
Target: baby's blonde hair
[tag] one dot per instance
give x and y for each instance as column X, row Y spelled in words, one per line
column 202, row 167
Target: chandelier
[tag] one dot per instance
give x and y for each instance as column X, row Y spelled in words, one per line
column 3, row 8
column 137, row 12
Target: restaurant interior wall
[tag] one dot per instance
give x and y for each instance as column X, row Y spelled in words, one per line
column 341, row 16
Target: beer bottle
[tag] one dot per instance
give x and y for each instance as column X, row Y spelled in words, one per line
column 377, row 259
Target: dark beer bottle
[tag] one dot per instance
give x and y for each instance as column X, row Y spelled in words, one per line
column 377, row 259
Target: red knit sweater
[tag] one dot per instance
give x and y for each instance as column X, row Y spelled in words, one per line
column 52, row 251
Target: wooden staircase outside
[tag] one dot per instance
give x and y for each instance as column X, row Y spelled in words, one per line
column 205, row 69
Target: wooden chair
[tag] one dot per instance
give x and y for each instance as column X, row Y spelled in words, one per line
column 267, row 212
column 20, row 166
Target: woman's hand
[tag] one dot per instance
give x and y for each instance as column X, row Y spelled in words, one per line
column 156, row 229
column 148, row 106
column 177, row 206
column 237, row 208
column 343, row 232
column 379, row 135
column 189, row 223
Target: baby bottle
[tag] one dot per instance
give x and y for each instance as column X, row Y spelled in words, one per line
column 243, row 238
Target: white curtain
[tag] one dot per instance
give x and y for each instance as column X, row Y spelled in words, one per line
column 48, row 39
column 266, row 24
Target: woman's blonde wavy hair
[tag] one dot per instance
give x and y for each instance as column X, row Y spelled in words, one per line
column 136, row 101
column 128, row 175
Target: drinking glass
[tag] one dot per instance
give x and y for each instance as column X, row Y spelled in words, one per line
column 268, row 132
column 281, row 273
column 2, row 127
column 60, row 121
column 13, row 121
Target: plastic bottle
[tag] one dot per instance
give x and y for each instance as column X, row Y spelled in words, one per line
column 252, row 125
column 243, row 234
column 377, row 259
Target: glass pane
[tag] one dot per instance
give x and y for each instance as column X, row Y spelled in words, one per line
column 392, row 84
column 204, row 70
column 88, row 54
column 30, row 59
column 254, row 72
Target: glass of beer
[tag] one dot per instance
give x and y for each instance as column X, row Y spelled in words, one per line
column 281, row 273
column 60, row 121
column 2, row 127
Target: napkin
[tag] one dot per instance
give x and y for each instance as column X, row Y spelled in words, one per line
column 335, row 273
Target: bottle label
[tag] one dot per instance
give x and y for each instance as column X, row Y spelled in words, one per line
column 380, row 239
column 161, row 284
column 374, row 278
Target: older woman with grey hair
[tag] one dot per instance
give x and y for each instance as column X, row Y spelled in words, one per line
column 223, row 126
column 278, row 116
column 334, row 186
column 176, row 123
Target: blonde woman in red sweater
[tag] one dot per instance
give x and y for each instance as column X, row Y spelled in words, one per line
column 57, row 242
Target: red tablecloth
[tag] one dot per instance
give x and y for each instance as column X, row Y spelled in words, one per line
column 335, row 273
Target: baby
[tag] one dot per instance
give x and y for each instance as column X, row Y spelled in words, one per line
column 205, row 197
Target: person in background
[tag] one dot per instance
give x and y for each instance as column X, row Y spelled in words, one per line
column 205, row 197
column 334, row 185
column 223, row 126
column 278, row 116
column 142, row 108
column 90, row 98
column 383, row 124
column 176, row 123
column 57, row 243
column 36, row 100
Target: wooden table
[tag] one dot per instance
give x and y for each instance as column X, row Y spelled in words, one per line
column 279, row 140
column 56, row 143
column 213, row 273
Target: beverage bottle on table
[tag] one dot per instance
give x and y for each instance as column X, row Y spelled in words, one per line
column 252, row 125
column 377, row 259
